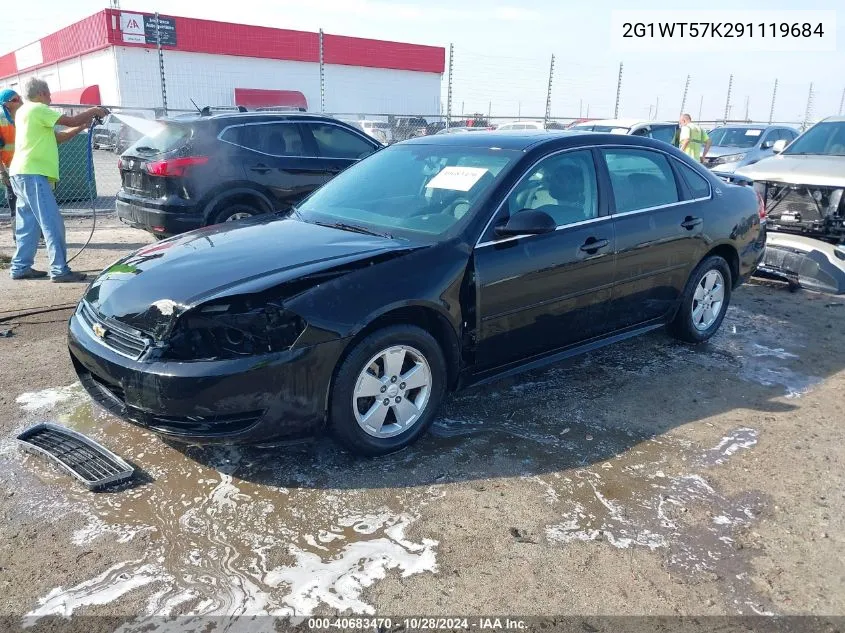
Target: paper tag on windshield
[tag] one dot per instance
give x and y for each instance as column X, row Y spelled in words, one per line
column 457, row 178
column 753, row 132
column 619, row 130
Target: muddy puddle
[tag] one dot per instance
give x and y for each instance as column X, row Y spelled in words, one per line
column 307, row 529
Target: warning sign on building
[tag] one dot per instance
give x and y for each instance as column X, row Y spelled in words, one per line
column 137, row 28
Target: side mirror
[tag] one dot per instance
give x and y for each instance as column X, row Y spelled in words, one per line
column 767, row 145
column 779, row 146
column 527, row 222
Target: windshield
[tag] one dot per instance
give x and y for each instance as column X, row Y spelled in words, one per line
column 166, row 138
column 418, row 189
column 744, row 137
column 823, row 138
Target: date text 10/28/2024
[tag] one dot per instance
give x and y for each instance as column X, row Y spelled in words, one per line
column 418, row 624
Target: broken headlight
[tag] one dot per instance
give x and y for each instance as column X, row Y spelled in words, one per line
column 233, row 330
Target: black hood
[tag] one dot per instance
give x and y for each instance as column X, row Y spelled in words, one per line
column 151, row 287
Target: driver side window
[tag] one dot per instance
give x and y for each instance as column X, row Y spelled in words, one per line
column 563, row 186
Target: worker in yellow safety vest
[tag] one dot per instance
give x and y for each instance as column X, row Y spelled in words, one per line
column 694, row 141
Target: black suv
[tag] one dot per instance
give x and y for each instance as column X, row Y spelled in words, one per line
column 204, row 170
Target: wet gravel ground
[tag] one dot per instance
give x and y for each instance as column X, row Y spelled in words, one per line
column 645, row 478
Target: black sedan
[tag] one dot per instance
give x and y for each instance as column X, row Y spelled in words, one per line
column 434, row 264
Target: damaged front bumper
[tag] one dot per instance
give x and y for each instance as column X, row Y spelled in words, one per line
column 804, row 262
column 277, row 396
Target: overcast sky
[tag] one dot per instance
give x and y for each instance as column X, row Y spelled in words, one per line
column 503, row 50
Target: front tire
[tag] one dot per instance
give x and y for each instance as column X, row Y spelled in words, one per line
column 388, row 390
column 704, row 302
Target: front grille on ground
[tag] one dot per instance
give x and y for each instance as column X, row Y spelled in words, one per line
column 92, row 464
column 116, row 337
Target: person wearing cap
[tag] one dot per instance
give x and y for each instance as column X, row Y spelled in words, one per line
column 10, row 101
column 34, row 173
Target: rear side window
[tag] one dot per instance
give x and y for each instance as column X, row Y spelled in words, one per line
column 335, row 142
column 641, row 179
column 699, row 187
column 162, row 138
column 665, row 133
column 274, row 139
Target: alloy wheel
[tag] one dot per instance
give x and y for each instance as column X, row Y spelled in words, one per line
column 708, row 300
column 392, row 391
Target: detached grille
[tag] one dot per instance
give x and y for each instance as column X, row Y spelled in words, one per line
column 118, row 338
column 92, row 464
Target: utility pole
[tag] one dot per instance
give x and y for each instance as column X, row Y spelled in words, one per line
column 588, row 110
column 774, row 94
column 700, row 107
column 747, row 103
column 809, row 110
column 581, row 107
column 684, row 99
column 842, row 101
column 489, row 110
column 114, row 4
column 161, row 72
column 449, row 87
column 728, row 100
column 657, row 106
column 549, row 94
column 650, row 108
column 519, row 112
column 322, row 76
column 618, row 92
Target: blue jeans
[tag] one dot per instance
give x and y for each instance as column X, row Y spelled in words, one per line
column 37, row 209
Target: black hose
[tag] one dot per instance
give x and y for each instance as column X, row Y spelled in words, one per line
column 12, row 317
column 91, row 182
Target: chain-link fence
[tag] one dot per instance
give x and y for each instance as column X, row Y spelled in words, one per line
column 390, row 91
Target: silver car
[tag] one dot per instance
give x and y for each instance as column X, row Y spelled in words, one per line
column 735, row 146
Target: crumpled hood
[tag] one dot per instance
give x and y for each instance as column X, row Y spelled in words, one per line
column 150, row 288
column 820, row 171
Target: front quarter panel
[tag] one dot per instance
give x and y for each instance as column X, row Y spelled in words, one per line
column 429, row 276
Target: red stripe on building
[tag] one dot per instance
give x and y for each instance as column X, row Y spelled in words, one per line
column 259, row 98
column 355, row 51
column 83, row 37
column 8, row 65
column 222, row 38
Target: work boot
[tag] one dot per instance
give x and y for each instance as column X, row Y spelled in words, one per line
column 70, row 278
column 30, row 273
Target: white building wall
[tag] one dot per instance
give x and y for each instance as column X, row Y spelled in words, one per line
column 212, row 79
column 372, row 91
column 97, row 68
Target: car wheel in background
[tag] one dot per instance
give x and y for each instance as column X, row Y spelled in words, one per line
column 236, row 211
column 388, row 390
column 704, row 302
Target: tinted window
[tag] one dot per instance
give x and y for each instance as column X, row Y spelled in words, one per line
column 698, row 185
column 335, row 142
column 563, row 186
column 665, row 133
column 640, row 179
column 275, row 139
column 786, row 135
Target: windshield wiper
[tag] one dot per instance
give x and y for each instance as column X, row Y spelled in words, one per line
column 352, row 228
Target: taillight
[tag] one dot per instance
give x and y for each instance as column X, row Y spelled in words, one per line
column 174, row 166
column 120, row 164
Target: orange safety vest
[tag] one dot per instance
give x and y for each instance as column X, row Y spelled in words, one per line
column 7, row 140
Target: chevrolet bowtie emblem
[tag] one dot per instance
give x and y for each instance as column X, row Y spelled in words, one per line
column 99, row 330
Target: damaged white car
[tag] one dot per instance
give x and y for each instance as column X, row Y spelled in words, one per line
column 803, row 187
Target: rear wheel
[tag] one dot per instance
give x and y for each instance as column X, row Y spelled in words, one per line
column 235, row 211
column 388, row 390
column 704, row 302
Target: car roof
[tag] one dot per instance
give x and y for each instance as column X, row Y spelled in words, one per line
column 266, row 115
column 619, row 122
column 523, row 140
column 833, row 119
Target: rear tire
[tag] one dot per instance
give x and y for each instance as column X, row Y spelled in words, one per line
column 236, row 211
column 363, row 423
column 704, row 302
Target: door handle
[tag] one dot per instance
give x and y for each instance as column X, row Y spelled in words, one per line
column 261, row 168
column 690, row 222
column 592, row 245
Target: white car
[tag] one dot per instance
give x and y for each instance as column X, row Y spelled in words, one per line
column 661, row 130
column 379, row 130
column 522, row 125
